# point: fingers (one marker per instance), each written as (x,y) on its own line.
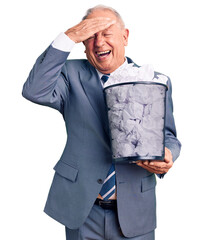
(149,168)
(155,166)
(98,24)
(88,27)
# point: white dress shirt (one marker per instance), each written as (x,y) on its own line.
(63,43)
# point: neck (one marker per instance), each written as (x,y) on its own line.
(102,73)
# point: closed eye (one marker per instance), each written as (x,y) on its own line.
(107,34)
(91,37)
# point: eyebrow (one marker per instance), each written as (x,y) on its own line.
(108,30)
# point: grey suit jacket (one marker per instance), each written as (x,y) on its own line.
(74,89)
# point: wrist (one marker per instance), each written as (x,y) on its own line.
(71,35)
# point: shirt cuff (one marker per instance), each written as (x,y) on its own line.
(63,43)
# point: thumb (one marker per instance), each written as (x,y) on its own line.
(168,155)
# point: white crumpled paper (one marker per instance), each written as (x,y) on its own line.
(131,73)
(136,112)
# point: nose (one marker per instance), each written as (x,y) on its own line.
(99,41)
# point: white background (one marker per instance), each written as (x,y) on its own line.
(166,34)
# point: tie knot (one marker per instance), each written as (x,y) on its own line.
(104,78)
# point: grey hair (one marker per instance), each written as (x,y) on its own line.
(103,7)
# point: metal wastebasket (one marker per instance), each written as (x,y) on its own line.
(136,114)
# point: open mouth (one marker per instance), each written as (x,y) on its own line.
(103,54)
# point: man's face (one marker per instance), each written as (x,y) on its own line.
(105,50)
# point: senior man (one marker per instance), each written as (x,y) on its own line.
(80,197)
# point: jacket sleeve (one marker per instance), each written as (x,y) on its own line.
(171,141)
(47,83)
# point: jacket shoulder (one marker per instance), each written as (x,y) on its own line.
(72,66)
(76,62)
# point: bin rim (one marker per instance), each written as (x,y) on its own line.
(136,82)
(137,158)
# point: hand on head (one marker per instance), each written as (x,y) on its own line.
(104,37)
(88,28)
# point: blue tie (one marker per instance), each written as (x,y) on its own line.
(104,78)
(109,185)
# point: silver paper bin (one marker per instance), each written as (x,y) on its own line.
(136,114)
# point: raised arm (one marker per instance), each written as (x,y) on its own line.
(48,82)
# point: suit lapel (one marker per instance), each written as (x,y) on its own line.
(94,91)
(131,61)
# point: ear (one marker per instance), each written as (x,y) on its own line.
(125,36)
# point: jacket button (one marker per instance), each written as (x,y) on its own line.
(100,181)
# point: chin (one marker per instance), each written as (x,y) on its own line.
(105,69)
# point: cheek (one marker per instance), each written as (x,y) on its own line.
(118,50)
(117,45)
(89,48)
(89,54)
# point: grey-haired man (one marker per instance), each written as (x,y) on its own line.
(75,89)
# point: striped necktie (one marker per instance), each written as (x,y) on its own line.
(109,185)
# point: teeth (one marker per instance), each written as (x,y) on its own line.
(100,53)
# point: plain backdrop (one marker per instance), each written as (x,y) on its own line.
(164,33)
